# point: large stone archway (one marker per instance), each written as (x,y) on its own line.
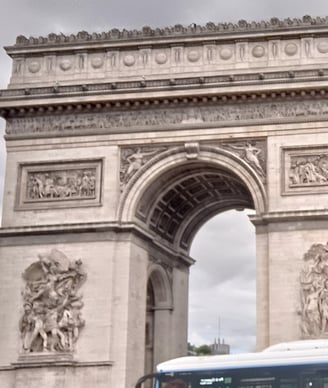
(119,147)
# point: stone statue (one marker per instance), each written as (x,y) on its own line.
(51,320)
(314,292)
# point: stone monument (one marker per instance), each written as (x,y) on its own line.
(120,145)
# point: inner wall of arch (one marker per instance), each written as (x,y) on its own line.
(176,205)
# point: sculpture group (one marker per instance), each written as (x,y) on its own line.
(51,320)
(309,170)
(61,184)
(314,292)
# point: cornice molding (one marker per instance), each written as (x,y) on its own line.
(19,234)
(184,112)
(173,84)
(289,216)
(177,32)
(95,98)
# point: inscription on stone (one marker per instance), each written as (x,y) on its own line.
(71,183)
(51,320)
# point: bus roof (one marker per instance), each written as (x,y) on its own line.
(289,353)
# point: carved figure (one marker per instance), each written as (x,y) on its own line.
(308,170)
(136,160)
(61,184)
(255,112)
(314,292)
(51,320)
(26,326)
(252,156)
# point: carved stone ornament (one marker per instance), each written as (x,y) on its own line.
(306,170)
(133,158)
(62,184)
(314,292)
(177,30)
(252,152)
(52,302)
(218,114)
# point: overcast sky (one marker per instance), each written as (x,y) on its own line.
(223,280)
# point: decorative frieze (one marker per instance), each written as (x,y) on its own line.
(314,292)
(163,117)
(305,170)
(52,302)
(62,184)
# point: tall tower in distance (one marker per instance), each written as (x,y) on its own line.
(220,347)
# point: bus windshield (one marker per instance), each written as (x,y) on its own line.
(301,376)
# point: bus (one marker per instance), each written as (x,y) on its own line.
(298,364)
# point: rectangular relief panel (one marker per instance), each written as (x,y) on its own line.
(57,185)
(305,170)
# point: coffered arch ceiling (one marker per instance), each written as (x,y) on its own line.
(178,203)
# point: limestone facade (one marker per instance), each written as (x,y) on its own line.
(119,147)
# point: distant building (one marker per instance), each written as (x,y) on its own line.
(219,347)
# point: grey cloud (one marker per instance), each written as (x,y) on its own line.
(225,249)
(222,282)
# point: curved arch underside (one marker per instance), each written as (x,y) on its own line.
(176,205)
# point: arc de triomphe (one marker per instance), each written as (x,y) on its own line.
(120,146)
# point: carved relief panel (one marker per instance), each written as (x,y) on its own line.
(220,114)
(314,292)
(52,302)
(61,184)
(253,152)
(305,170)
(133,158)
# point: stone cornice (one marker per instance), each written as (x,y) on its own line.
(144,94)
(176,33)
(19,234)
(206,109)
(147,58)
(289,216)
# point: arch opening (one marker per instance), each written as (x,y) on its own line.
(158,314)
(223,308)
(171,199)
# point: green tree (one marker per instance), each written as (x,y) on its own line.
(203,350)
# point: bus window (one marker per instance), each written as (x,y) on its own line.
(257,382)
(288,383)
(176,383)
(315,382)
